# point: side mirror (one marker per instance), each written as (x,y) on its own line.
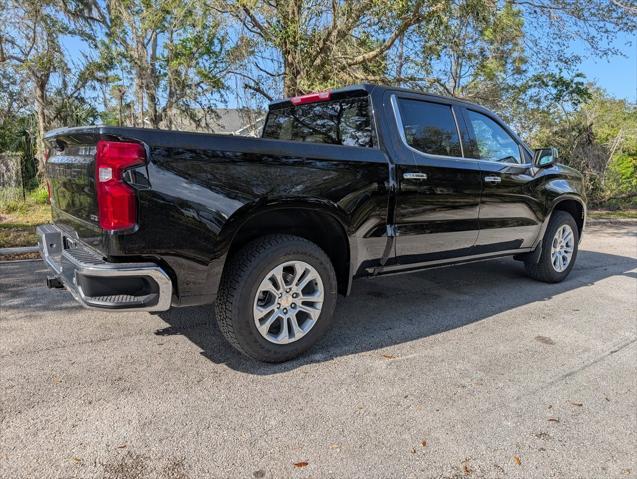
(545,157)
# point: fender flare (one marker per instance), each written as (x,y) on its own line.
(534,256)
(251,210)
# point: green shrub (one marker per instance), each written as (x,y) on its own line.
(40,195)
(12,206)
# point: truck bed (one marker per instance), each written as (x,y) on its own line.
(193,188)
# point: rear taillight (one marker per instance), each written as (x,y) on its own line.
(115,199)
(311,98)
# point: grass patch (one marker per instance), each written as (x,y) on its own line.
(612,215)
(18,219)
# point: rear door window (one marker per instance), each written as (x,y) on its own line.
(430,127)
(337,122)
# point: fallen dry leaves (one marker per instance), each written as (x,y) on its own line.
(517,460)
(465,467)
(301,464)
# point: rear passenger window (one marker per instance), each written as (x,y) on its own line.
(430,127)
(338,122)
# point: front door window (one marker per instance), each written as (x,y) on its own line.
(494,143)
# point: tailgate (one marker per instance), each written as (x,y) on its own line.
(71,175)
(88,204)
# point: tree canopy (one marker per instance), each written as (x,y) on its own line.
(159,63)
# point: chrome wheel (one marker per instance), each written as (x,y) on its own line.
(562,248)
(288,302)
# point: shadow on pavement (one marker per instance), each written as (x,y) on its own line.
(391,310)
(16,289)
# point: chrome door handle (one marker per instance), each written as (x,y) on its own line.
(415,176)
(492,179)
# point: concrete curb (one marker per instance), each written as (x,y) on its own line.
(610,221)
(20,250)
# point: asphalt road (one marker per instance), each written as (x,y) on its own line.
(472,371)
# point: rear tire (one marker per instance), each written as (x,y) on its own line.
(559,250)
(250,304)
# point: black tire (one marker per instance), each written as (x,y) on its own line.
(543,270)
(241,279)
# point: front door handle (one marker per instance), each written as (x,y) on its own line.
(492,179)
(415,176)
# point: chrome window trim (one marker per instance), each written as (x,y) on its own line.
(455,119)
(374,123)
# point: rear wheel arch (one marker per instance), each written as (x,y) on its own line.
(261,296)
(318,225)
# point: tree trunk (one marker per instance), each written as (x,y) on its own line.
(401,58)
(40,108)
(153,115)
(167,113)
(291,49)
(153,82)
(120,110)
(139,91)
(291,78)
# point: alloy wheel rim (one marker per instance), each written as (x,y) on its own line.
(562,248)
(288,302)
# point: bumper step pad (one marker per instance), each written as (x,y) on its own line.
(76,266)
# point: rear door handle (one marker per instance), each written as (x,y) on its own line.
(415,176)
(492,179)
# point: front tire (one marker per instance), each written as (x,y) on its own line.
(276,297)
(559,250)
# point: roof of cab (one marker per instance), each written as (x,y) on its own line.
(357,89)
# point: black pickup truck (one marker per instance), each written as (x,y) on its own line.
(360,181)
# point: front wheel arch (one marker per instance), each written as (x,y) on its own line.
(576,208)
(571,204)
(542,268)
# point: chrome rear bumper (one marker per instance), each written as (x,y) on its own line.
(99,284)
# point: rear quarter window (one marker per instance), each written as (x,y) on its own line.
(337,122)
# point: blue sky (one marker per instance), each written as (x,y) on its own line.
(617,75)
